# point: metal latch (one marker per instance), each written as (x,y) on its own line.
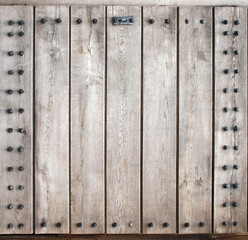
(123,20)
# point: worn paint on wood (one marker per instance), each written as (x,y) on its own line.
(87,119)
(52,119)
(230,119)
(16,120)
(195,119)
(123,121)
(159,119)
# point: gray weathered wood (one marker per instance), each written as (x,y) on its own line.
(159,119)
(195,119)
(230,138)
(16,120)
(87,119)
(52,119)
(123,121)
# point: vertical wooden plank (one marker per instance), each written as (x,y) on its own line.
(123,121)
(52,120)
(195,119)
(226,95)
(16,168)
(159,119)
(87,119)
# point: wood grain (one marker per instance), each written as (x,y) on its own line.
(16,120)
(87,119)
(123,121)
(230,138)
(159,119)
(52,119)
(195,119)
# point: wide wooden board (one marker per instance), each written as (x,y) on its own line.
(123,121)
(159,119)
(230,99)
(87,119)
(10,162)
(52,120)
(195,119)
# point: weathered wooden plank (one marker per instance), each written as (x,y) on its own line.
(87,119)
(52,120)
(123,121)
(16,166)
(159,119)
(195,119)
(226,96)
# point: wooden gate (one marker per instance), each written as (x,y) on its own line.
(123,120)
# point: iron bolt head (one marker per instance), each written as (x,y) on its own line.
(21,187)
(236,22)
(21,225)
(10,91)
(10,149)
(20,206)
(167,21)
(10,130)
(21,53)
(202,21)
(21,34)
(21,22)
(130,224)
(10,169)
(186,224)
(94,225)
(235,204)
(150,224)
(79,20)
(10,187)
(20,91)
(225,167)
(21,72)
(10,72)
(10,206)
(235,185)
(225,147)
(10,34)
(20,149)
(225,90)
(43,20)
(201,224)
(21,130)
(224,223)
(226,52)
(236,109)
(225,129)
(235,224)
(114,225)
(10,225)
(236,166)
(236,90)
(236,71)
(11,53)
(225,185)
(237,33)
(236,52)
(225,22)
(226,33)
(58,20)
(11,22)
(21,110)
(236,128)
(21,168)
(187,21)
(225,109)
(43,224)
(95,20)
(226,71)
(236,147)
(166,224)
(151,21)
(225,204)
(59,224)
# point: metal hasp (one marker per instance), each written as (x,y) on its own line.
(123,20)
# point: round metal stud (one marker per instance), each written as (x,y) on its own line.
(187,21)
(58,224)
(235,204)
(10,72)
(11,22)
(11,53)
(186,224)
(225,90)
(236,109)
(94,225)
(225,204)
(20,149)
(236,166)
(21,187)
(225,22)
(202,21)
(20,72)
(202,224)
(21,168)
(224,223)
(226,71)
(225,167)
(225,147)
(43,20)
(167,21)
(10,206)
(235,185)
(236,128)
(58,20)
(226,33)
(21,225)
(10,187)
(236,22)
(10,169)
(114,225)
(79,21)
(235,224)
(226,52)
(236,90)
(236,52)
(21,34)
(20,91)
(150,225)
(166,224)
(236,71)
(21,22)
(20,206)
(10,91)
(225,185)
(225,109)
(236,33)
(10,225)
(10,34)
(10,130)
(225,129)
(130,224)
(43,225)
(151,21)
(21,110)
(21,130)
(21,53)
(79,225)
(10,149)
(236,147)
(95,20)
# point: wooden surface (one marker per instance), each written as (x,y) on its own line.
(16,120)
(123,121)
(87,119)
(195,119)
(230,138)
(159,119)
(52,120)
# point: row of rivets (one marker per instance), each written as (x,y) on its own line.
(10,149)
(167,21)
(225,223)
(202,21)
(234,185)
(79,20)
(20,225)
(10,169)
(236,147)
(236,52)
(236,22)
(11,53)
(43,224)
(20,206)
(10,91)
(11,187)
(10,110)
(187,224)
(235,166)
(20,72)
(58,20)
(21,22)
(21,34)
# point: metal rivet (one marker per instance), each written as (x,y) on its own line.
(236,166)
(10,225)
(130,224)
(236,109)
(10,111)
(202,21)
(225,109)
(21,225)
(236,52)
(21,72)
(225,22)
(150,224)
(10,72)
(237,33)
(10,187)
(58,20)
(79,225)
(236,128)
(20,91)
(236,22)
(58,224)
(10,169)
(187,21)
(21,34)
(225,204)
(10,206)
(236,71)
(21,187)
(225,147)
(43,20)
(94,20)
(94,225)
(21,53)
(167,21)
(226,52)
(225,185)
(235,185)
(10,149)
(11,53)
(11,22)
(235,224)
(79,20)
(225,90)
(224,223)
(225,167)
(226,71)
(201,224)
(235,204)
(20,149)
(114,225)
(236,90)
(10,130)
(186,224)
(20,206)
(21,110)
(21,168)
(166,224)
(10,34)
(10,91)
(21,130)
(225,129)
(21,22)
(43,224)
(151,21)
(226,33)
(236,147)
